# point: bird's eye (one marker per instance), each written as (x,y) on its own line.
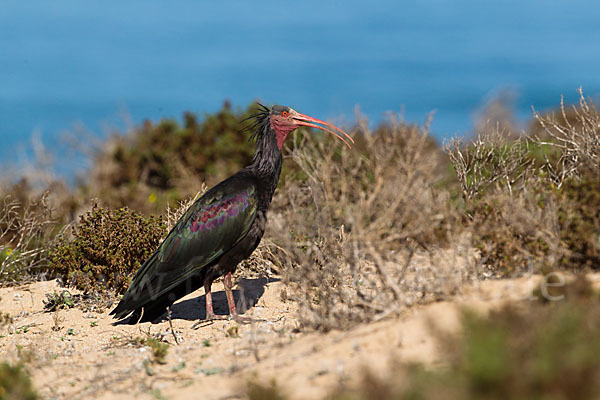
(284,113)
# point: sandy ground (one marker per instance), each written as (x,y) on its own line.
(84,355)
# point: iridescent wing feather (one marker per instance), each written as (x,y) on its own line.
(214,224)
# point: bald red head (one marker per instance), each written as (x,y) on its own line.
(285,120)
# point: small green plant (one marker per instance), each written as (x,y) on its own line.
(233,332)
(147,364)
(209,371)
(106,248)
(15,383)
(157,394)
(178,367)
(159,349)
(23,329)
(56,301)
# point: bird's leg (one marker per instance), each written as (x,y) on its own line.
(210,314)
(230,301)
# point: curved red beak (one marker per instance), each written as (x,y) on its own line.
(305,120)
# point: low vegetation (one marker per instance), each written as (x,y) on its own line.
(160,164)
(357,235)
(105,249)
(530,350)
(159,348)
(25,237)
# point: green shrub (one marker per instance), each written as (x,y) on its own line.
(579,219)
(162,163)
(15,383)
(106,248)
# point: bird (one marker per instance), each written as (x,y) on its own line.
(220,229)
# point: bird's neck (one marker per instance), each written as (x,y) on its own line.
(266,164)
(267,155)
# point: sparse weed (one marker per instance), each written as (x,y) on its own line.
(24,230)
(5,319)
(159,348)
(56,301)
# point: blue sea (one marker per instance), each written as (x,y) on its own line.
(102,65)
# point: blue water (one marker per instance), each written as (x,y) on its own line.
(69,62)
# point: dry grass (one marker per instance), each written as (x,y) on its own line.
(23,241)
(575,133)
(491,160)
(353,224)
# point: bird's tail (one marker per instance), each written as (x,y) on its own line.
(140,291)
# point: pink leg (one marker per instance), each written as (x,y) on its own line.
(210,314)
(230,300)
(229,293)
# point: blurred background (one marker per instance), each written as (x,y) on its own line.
(106,65)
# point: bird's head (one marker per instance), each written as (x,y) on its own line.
(284,120)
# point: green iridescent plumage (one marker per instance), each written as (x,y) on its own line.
(193,243)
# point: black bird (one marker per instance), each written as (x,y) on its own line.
(222,228)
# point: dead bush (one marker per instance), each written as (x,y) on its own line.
(575,133)
(352,220)
(491,160)
(516,232)
(533,201)
(24,238)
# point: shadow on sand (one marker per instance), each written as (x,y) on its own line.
(248,294)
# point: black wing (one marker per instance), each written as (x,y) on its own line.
(210,227)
